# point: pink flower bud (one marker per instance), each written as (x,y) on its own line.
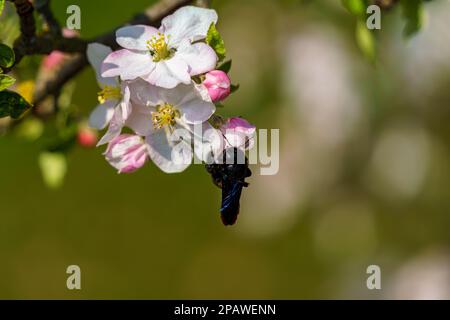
(239,133)
(56,58)
(127,153)
(53,60)
(69,33)
(87,137)
(218,84)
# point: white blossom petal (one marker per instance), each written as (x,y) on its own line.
(145,94)
(196,110)
(209,144)
(125,105)
(168,152)
(102,115)
(114,129)
(121,114)
(200,57)
(135,37)
(96,54)
(169,73)
(140,120)
(127,64)
(188,22)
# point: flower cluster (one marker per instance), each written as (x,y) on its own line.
(162,86)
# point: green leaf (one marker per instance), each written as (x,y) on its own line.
(6,56)
(12,104)
(6,81)
(53,167)
(366,40)
(355,7)
(414,14)
(2,5)
(226,66)
(214,39)
(234,88)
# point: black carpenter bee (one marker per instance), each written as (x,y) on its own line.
(230,177)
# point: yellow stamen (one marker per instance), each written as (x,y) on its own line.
(109,93)
(159,48)
(165,115)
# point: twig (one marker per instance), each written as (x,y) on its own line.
(27,38)
(43,7)
(203,3)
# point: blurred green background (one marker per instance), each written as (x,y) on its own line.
(364,174)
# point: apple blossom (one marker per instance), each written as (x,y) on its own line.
(127,153)
(159,114)
(218,84)
(168,56)
(114,98)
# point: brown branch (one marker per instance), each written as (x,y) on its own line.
(27,38)
(43,7)
(203,3)
(152,16)
(27,24)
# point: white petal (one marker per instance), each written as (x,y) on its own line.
(140,120)
(135,37)
(169,73)
(177,95)
(102,115)
(127,64)
(145,94)
(169,156)
(179,69)
(96,54)
(203,92)
(208,145)
(188,22)
(125,105)
(200,57)
(114,129)
(196,110)
(121,114)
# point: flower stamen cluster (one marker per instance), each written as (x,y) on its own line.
(109,93)
(159,48)
(165,115)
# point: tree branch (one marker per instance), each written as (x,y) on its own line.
(44,9)
(27,38)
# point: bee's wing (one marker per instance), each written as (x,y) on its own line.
(231,195)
